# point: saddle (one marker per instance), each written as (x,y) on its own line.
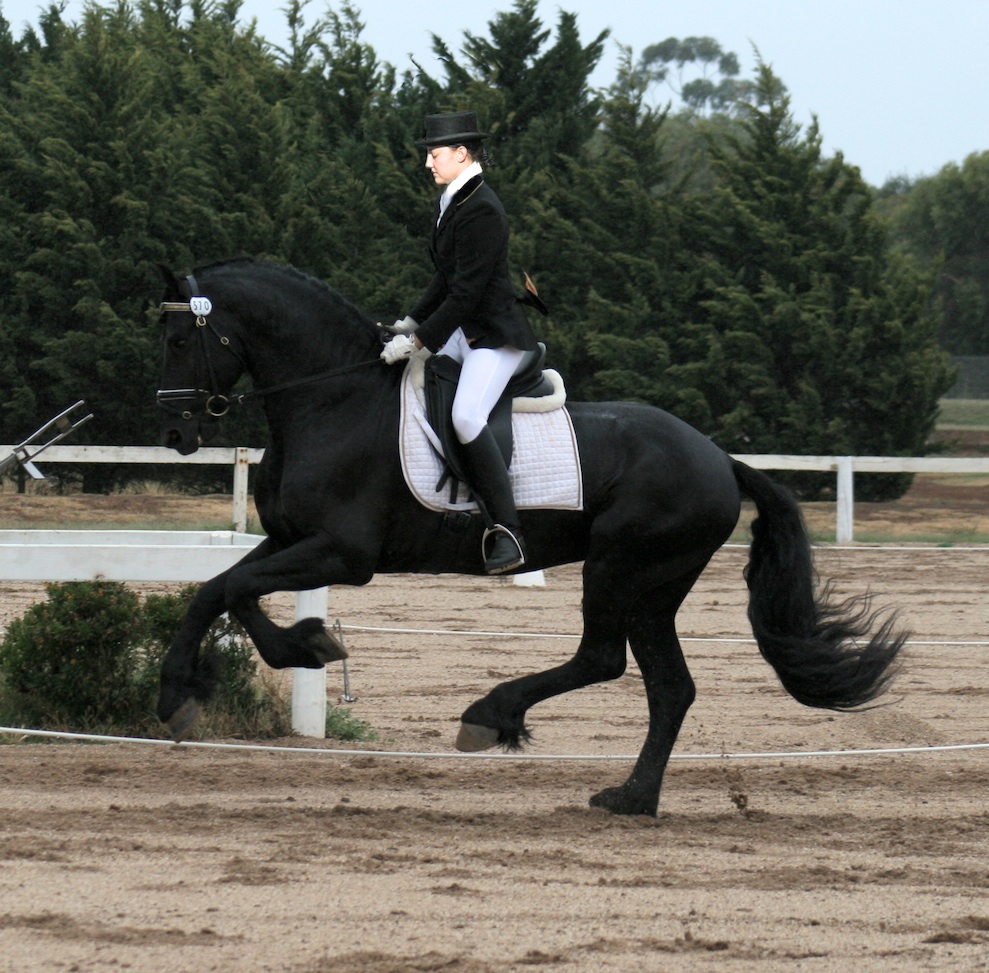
(440,386)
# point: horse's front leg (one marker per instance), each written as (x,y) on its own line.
(312,563)
(187,681)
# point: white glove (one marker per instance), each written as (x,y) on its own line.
(400,347)
(404,325)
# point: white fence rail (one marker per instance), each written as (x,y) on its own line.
(241,457)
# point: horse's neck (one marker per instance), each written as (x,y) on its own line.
(282,356)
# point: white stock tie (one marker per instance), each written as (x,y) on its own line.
(444,202)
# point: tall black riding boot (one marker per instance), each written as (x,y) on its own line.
(502,547)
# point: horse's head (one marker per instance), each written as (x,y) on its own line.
(200,364)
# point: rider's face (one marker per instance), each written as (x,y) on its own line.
(446,162)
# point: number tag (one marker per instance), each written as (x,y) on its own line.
(200,306)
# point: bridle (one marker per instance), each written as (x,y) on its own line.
(186,403)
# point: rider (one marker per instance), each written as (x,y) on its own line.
(470,311)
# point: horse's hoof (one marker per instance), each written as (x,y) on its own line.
(473,737)
(617,800)
(327,648)
(183,719)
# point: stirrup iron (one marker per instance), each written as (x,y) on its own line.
(495,531)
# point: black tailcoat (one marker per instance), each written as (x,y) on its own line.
(471,288)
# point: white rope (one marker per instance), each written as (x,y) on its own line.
(558,635)
(326,751)
(833,547)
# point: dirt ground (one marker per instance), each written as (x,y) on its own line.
(163,858)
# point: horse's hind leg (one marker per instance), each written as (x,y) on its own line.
(499,718)
(670,692)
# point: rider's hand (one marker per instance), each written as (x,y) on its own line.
(400,347)
(404,325)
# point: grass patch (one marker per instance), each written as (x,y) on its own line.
(341,724)
(963,414)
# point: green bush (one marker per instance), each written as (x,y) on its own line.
(341,724)
(88,659)
(69,661)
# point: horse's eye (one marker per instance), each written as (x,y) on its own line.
(178,342)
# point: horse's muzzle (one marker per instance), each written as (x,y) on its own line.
(182,442)
(185,436)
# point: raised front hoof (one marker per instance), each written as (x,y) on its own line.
(327,648)
(182,720)
(619,800)
(473,738)
(310,646)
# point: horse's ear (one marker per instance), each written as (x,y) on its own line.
(172,291)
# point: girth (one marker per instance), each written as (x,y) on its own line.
(440,386)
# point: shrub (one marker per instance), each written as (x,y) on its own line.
(88,659)
(341,724)
(244,704)
(69,661)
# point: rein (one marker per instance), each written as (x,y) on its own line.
(305,380)
(213,402)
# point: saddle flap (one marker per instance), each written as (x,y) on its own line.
(441,376)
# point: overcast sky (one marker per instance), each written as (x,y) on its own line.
(898,86)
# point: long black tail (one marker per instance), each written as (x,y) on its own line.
(823,652)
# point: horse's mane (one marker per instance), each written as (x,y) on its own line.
(320,289)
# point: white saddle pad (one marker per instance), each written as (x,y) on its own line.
(545,468)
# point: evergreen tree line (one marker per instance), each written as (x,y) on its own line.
(941,222)
(717,265)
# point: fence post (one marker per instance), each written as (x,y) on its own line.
(309,685)
(241,466)
(845,526)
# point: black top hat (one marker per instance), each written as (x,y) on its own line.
(451,128)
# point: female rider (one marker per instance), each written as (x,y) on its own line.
(471,312)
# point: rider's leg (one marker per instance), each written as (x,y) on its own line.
(483,377)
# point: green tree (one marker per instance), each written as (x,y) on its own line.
(78,129)
(718,88)
(709,261)
(134,140)
(824,344)
(536,98)
(13,56)
(352,173)
(941,225)
(603,238)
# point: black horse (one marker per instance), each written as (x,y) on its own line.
(659,499)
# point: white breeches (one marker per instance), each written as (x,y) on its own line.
(483,376)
